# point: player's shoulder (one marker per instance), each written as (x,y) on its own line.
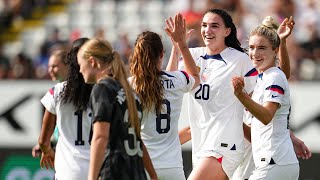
(57,89)
(61,85)
(234,54)
(108,84)
(275,73)
(174,75)
(106,88)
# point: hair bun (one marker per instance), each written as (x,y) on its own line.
(269,22)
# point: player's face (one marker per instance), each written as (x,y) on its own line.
(56,69)
(261,53)
(213,30)
(85,68)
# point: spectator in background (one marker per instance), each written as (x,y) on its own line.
(54,39)
(21,68)
(308,40)
(99,34)
(233,7)
(193,21)
(282,9)
(10,11)
(4,65)
(122,45)
(53,43)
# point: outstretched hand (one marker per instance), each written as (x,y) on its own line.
(285,28)
(47,159)
(170,25)
(176,29)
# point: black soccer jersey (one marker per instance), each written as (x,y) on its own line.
(124,151)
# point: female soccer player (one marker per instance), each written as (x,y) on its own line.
(272,148)
(117,151)
(247,166)
(58,71)
(57,66)
(215,114)
(161,94)
(67,107)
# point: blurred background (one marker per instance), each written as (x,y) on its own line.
(30,30)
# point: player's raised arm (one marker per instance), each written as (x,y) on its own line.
(173,63)
(284,32)
(178,35)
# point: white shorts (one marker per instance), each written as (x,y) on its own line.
(69,167)
(170,174)
(246,167)
(230,160)
(275,172)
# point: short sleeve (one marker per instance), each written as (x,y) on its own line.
(49,100)
(274,90)
(101,104)
(189,80)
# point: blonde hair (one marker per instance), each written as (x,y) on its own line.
(268,29)
(103,51)
(144,67)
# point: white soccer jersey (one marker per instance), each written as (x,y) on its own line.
(215,114)
(73,149)
(271,143)
(159,132)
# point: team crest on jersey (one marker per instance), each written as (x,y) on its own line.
(205,74)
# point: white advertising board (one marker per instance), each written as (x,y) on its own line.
(20,103)
(21,112)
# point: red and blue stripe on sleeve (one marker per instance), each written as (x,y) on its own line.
(276,88)
(187,76)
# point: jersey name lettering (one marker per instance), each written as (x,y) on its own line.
(167,84)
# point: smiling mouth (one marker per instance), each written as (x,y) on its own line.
(206,37)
